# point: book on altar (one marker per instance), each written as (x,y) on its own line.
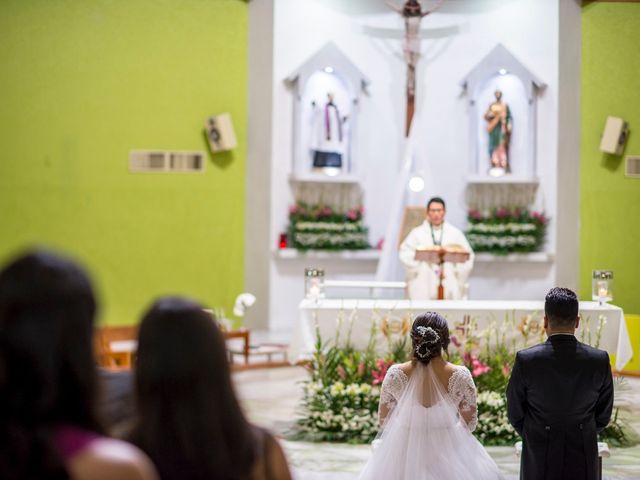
(447,253)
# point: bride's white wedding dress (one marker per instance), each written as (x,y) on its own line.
(424,437)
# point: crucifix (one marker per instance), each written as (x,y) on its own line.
(412,13)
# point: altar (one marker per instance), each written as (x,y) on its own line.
(520,322)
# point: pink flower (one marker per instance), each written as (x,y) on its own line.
(467,358)
(475,365)
(324,212)
(502,213)
(341,373)
(379,374)
(506,371)
(455,341)
(479,368)
(361,369)
(475,214)
(380,244)
(539,217)
(353,215)
(293,209)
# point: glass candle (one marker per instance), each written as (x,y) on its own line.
(602,286)
(314,283)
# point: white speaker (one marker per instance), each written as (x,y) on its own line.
(220,133)
(614,136)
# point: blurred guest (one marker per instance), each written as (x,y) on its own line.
(48,423)
(189,420)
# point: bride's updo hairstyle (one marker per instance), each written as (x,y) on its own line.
(429,337)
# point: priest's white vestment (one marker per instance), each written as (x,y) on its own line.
(423,277)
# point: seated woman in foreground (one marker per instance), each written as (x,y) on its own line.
(189,420)
(48,423)
(427,412)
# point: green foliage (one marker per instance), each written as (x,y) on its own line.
(619,433)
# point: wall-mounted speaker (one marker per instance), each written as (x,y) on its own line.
(614,136)
(220,133)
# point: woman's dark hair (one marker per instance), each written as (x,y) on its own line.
(429,337)
(190,422)
(47,370)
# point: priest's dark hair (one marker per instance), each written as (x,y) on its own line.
(561,307)
(47,369)
(436,200)
(189,420)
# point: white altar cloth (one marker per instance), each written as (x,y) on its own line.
(608,319)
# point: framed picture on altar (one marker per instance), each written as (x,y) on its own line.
(412,217)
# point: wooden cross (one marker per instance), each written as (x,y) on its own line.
(465,327)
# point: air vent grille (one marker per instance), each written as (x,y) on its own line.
(166,161)
(632,166)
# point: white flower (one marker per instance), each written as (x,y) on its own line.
(337,389)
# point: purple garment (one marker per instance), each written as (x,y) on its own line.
(70,440)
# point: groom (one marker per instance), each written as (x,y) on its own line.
(559,397)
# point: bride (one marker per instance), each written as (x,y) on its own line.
(427,412)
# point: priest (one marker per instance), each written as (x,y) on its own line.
(423,278)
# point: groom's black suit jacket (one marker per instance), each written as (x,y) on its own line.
(559,396)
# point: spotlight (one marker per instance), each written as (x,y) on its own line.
(416,184)
(328,69)
(502,71)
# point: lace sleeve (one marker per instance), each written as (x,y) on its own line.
(392,386)
(463,391)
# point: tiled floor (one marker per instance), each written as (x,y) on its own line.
(271,398)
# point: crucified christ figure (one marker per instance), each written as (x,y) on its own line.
(412,13)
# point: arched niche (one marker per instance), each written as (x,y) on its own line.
(328,71)
(501,70)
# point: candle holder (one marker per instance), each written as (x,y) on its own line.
(602,286)
(314,283)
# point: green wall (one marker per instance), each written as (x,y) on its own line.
(610,202)
(85,81)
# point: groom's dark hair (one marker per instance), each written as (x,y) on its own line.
(561,307)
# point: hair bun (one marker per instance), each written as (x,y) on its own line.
(427,343)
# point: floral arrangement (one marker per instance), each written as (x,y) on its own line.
(340,398)
(319,227)
(505,230)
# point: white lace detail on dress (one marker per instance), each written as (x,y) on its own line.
(463,391)
(392,386)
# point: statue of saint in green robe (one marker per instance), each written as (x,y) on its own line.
(499,127)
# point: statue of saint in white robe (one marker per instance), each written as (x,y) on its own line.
(423,277)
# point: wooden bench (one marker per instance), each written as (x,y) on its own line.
(115,347)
